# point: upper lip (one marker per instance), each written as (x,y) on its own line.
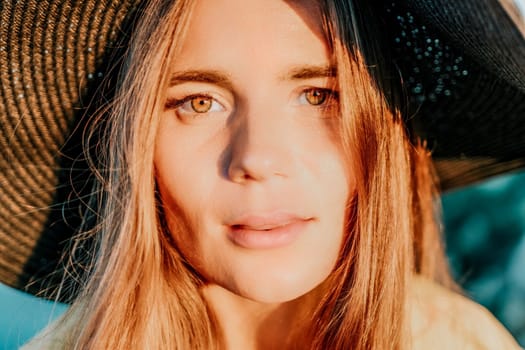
(261,222)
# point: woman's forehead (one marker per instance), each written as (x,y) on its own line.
(269,15)
(243,34)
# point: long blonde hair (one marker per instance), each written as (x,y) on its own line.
(141,295)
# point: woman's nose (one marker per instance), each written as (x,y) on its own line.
(261,148)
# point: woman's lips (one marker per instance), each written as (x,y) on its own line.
(267,231)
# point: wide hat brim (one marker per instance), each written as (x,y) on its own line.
(466,97)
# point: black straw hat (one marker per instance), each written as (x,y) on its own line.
(462,64)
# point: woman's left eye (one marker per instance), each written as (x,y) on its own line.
(316,96)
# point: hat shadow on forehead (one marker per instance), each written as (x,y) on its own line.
(309,11)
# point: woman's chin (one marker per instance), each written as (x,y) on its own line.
(275,290)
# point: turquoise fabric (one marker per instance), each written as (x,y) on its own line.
(22,316)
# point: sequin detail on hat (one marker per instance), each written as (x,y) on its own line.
(434,68)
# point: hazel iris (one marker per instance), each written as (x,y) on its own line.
(201,104)
(316,97)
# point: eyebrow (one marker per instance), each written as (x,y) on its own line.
(202,76)
(224,80)
(310,72)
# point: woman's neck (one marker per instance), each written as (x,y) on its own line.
(247,324)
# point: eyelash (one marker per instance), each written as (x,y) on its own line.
(172,103)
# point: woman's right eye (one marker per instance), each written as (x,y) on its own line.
(195,104)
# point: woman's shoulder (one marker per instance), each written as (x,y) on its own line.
(53,337)
(443,319)
(48,339)
(43,342)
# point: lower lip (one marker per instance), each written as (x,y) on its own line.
(267,239)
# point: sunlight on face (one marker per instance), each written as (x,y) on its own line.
(247,153)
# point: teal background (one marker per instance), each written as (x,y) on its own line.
(485,237)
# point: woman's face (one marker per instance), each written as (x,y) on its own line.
(252,178)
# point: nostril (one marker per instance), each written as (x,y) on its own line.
(245,169)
